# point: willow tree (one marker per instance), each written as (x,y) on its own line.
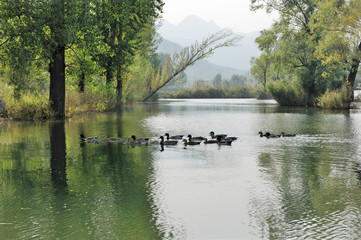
(188,56)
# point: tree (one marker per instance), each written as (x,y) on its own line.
(179,62)
(120,22)
(293,44)
(217,81)
(237,80)
(315,42)
(260,68)
(41,30)
(340,43)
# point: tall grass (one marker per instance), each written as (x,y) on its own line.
(36,105)
(90,101)
(338,99)
(210,92)
(29,106)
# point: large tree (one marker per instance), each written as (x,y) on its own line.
(36,30)
(340,42)
(309,36)
(120,22)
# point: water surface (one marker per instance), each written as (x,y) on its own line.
(308,187)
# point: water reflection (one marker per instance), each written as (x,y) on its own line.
(58,154)
(52,185)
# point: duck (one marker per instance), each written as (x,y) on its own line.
(261,134)
(218,135)
(206,141)
(162,142)
(190,142)
(269,135)
(111,139)
(222,141)
(288,134)
(141,140)
(133,141)
(88,139)
(230,138)
(195,138)
(173,137)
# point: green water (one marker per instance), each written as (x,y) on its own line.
(53,186)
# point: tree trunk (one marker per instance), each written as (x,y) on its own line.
(353,71)
(57,82)
(119,88)
(109,71)
(81,84)
(57,62)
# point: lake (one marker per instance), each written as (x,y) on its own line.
(54,186)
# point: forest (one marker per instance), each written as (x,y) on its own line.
(60,58)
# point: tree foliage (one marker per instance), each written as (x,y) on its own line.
(315,44)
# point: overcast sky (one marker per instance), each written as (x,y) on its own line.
(234,14)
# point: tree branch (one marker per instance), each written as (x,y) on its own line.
(190,55)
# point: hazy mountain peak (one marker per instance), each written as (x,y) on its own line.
(194,28)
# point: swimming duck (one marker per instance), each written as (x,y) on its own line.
(190,138)
(133,141)
(88,139)
(162,142)
(287,134)
(206,141)
(261,134)
(190,142)
(111,139)
(230,138)
(218,135)
(222,141)
(141,140)
(173,137)
(269,135)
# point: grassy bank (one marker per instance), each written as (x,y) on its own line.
(210,92)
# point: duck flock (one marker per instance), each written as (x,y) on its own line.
(220,139)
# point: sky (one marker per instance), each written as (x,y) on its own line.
(234,14)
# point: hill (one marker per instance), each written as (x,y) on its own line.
(203,69)
(193,29)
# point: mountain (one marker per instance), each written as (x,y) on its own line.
(193,29)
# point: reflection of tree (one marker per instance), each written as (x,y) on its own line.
(58,154)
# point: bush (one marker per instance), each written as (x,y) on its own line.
(90,101)
(287,93)
(29,106)
(338,99)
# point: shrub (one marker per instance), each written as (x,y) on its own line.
(90,101)
(29,106)
(338,99)
(287,93)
